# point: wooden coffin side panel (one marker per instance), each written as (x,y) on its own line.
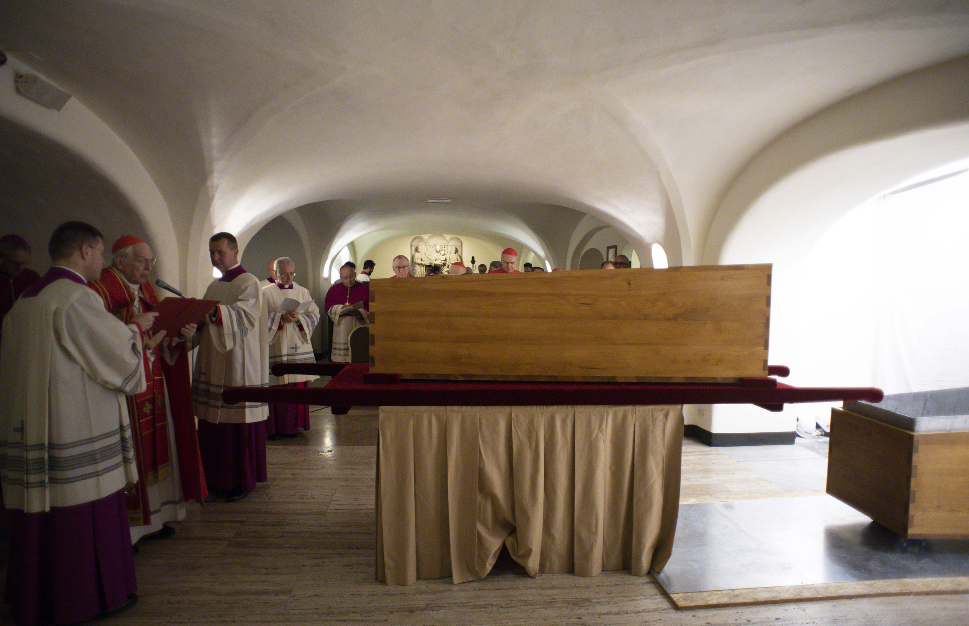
(870,468)
(940,486)
(705,323)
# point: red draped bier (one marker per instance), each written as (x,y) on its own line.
(147,409)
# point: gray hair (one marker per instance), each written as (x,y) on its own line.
(283,260)
(124,253)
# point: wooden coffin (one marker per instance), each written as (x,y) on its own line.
(707,323)
(914,483)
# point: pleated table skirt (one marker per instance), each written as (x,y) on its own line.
(580,489)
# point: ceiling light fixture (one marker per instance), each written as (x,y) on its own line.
(439,201)
(37,89)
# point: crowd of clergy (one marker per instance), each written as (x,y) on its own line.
(105,433)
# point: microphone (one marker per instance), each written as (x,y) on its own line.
(168,287)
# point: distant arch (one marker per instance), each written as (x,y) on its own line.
(591,259)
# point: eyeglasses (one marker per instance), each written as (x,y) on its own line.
(401,267)
(286,274)
(146,263)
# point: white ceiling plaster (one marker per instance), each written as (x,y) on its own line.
(640,113)
(786,222)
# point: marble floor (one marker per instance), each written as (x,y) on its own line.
(798,544)
(799,467)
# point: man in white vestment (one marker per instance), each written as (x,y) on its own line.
(364,275)
(347,303)
(233,352)
(66,449)
(290,333)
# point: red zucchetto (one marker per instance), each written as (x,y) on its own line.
(509,251)
(125,242)
(15,239)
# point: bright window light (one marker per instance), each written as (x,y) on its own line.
(660,261)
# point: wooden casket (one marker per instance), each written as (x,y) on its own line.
(685,324)
(904,462)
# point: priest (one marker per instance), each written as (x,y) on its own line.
(347,303)
(290,341)
(401,267)
(272,275)
(66,450)
(232,352)
(15,276)
(368,268)
(509,257)
(162,416)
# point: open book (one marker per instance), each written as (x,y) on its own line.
(174,313)
(289,304)
(351,309)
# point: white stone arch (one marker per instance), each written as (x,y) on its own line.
(84,134)
(434,220)
(577,246)
(586,231)
(791,193)
(845,154)
(296,221)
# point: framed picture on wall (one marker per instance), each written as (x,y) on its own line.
(611,252)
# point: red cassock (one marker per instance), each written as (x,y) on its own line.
(147,409)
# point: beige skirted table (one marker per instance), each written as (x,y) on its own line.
(580,489)
(588,485)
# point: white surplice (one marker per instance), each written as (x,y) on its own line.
(64,427)
(342,327)
(290,342)
(233,354)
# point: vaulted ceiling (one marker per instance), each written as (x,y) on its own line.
(647,115)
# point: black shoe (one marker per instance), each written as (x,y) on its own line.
(235,494)
(272,437)
(164,533)
(132,599)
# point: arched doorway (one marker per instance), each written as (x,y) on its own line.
(591,259)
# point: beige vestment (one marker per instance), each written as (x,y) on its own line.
(64,426)
(233,354)
(290,342)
